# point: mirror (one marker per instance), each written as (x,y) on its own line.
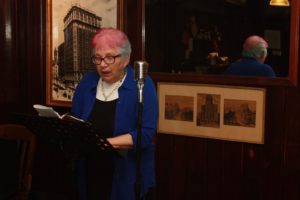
(182,34)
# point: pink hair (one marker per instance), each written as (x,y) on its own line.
(111,38)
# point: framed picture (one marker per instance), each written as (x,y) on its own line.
(212,111)
(70,26)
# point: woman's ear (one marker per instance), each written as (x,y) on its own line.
(126,60)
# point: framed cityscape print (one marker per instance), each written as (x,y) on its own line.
(212,111)
(70,25)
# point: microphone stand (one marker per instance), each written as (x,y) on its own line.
(138,182)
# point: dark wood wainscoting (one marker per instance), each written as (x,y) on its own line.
(200,168)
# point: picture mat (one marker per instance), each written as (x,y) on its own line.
(224,132)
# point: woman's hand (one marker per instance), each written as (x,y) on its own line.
(121,141)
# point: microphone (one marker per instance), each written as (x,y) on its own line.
(140,72)
(140,69)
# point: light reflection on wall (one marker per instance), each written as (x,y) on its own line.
(8,34)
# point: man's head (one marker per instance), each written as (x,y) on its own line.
(255,47)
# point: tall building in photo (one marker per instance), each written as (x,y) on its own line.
(80,24)
(209,111)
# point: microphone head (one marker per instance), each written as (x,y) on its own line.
(140,70)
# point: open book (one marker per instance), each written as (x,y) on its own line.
(46,111)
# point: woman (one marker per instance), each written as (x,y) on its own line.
(108,98)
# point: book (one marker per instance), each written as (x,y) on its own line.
(46,111)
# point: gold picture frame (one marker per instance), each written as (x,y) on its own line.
(212,111)
(69,27)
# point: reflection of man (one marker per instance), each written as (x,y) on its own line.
(253,57)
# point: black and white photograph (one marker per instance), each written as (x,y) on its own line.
(208,110)
(70,26)
(179,108)
(239,113)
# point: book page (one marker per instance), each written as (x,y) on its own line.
(45,111)
(69,117)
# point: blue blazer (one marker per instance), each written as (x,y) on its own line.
(125,122)
(249,67)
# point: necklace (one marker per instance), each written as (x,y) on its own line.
(117,85)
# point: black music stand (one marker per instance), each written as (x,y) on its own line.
(75,139)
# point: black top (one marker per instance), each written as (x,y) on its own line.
(102,117)
(99,164)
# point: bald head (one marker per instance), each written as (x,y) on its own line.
(255,47)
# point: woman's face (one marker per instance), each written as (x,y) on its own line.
(113,72)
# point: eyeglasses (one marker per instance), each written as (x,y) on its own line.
(97,60)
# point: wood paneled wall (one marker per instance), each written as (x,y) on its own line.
(22,78)
(187,167)
(199,168)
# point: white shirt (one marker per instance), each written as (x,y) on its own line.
(110,90)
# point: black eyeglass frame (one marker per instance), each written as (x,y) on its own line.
(97,60)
